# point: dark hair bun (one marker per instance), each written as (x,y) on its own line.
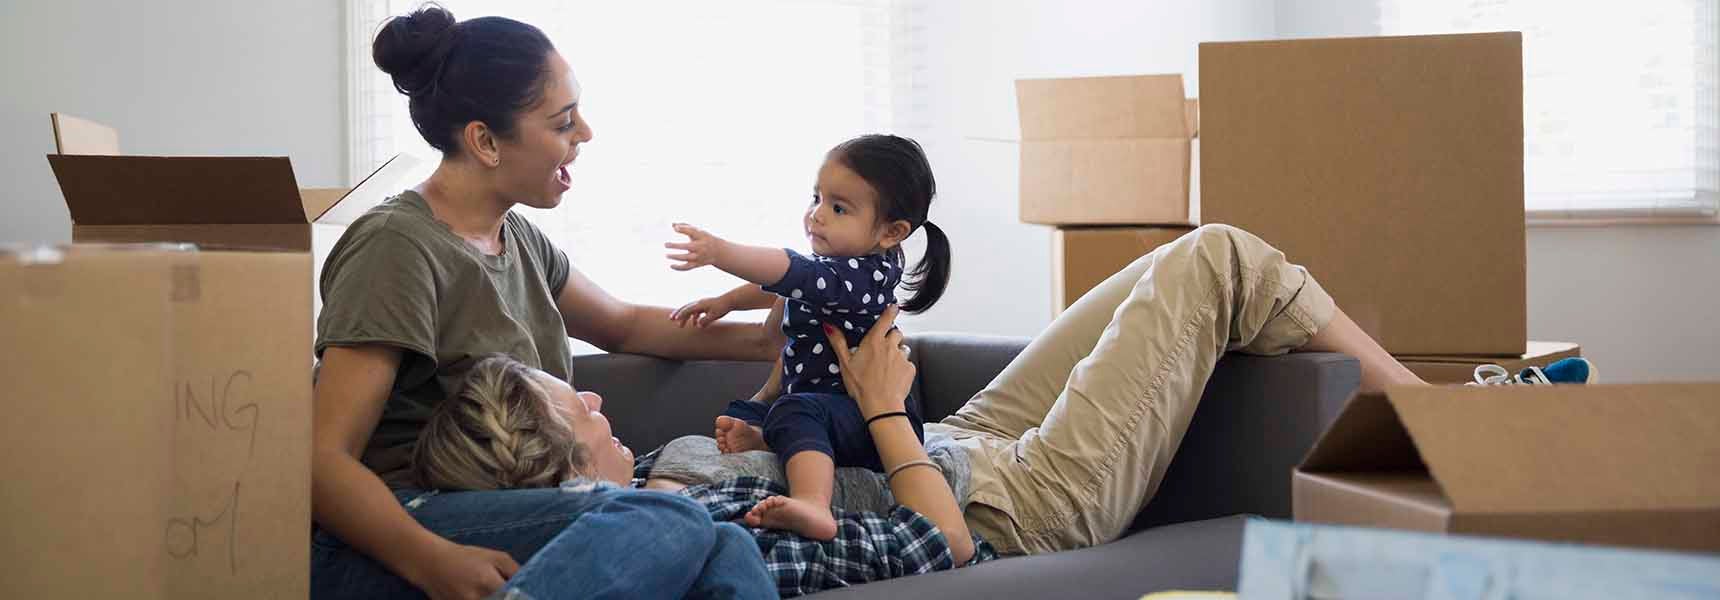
(411,48)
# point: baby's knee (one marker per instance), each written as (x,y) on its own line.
(792,408)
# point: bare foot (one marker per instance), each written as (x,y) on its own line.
(734,435)
(793,514)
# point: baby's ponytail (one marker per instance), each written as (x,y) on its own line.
(928,279)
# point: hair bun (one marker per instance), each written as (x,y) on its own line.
(411,48)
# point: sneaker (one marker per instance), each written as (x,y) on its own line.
(1575,370)
(1570,370)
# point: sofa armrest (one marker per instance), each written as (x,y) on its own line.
(1257,419)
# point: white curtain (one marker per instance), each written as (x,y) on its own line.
(1618,100)
(712,113)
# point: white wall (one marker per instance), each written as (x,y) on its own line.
(1640,299)
(1001,277)
(207,77)
(212,77)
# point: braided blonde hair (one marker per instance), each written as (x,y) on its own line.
(501,431)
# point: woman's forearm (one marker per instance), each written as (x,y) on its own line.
(352,503)
(922,489)
(649,331)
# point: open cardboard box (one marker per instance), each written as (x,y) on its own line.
(1628,465)
(158,422)
(213,201)
(1105,150)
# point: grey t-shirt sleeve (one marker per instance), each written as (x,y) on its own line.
(378,287)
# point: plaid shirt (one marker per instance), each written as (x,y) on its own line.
(868,546)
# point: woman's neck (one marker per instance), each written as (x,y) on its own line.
(459,199)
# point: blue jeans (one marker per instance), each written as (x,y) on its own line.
(571,543)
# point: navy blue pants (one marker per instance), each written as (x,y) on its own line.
(820,422)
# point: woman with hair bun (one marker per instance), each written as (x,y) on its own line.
(422,286)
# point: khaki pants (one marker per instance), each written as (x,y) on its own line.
(1074,436)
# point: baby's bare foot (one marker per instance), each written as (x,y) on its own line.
(793,514)
(734,435)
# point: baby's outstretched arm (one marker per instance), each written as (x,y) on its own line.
(758,264)
(705,311)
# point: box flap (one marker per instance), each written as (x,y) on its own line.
(1535,351)
(1191,116)
(339,207)
(1568,448)
(1102,107)
(148,190)
(1366,437)
(73,135)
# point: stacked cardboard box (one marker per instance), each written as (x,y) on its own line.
(1391,167)
(158,437)
(1106,160)
(158,428)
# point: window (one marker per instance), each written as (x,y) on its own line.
(1619,100)
(712,113)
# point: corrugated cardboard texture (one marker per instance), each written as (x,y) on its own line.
(1631,465)
(1461,369)
(1084,256)
(1104,150)
(1391,167)
(158,428)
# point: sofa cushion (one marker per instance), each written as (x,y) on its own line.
(1200,555)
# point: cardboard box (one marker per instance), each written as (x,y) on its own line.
(1391,167)
(1081,257)
(1105,150)
(214,201)
(158,422)
(1628,465)
(1461,369)
(235,202)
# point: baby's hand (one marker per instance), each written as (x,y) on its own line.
(702,312)
(700,249)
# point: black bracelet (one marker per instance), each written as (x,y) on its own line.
(887,415)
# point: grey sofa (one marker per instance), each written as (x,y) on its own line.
(1259,415)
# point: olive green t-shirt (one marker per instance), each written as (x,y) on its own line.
(399,277)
